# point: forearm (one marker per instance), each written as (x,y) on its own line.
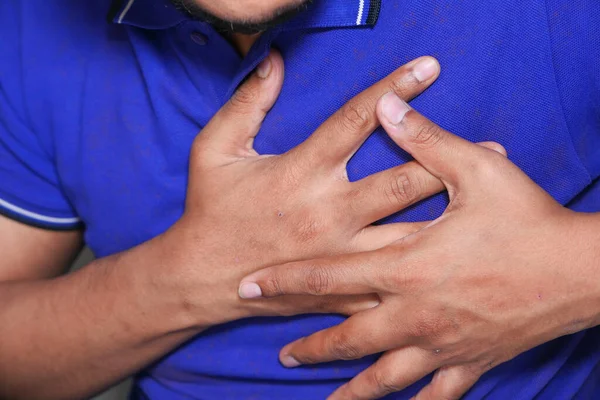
(73,336)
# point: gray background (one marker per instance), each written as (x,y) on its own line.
(119,392)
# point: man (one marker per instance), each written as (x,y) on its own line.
(97,124)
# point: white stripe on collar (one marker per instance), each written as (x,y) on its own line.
(361,8)
(126,9)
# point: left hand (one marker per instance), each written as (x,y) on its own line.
(504,269)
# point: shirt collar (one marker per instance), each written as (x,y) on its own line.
(161,14)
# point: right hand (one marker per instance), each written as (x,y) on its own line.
(246,211)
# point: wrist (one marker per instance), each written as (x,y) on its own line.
(192,274)
(580,265)
(156,285)
(170,277)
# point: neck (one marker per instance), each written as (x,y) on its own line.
(243,43)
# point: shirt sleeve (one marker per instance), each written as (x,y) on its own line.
(30,189)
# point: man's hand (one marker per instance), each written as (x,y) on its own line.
(245,211)
(504,269)
(119,314)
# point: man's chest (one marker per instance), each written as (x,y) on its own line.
(124,144)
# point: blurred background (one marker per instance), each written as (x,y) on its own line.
(120,391)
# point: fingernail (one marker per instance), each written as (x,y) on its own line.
(394,108)
(425,69)
(289,361)
(249,290)
(264,68)
(372,304)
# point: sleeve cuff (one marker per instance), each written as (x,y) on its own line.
(38,220)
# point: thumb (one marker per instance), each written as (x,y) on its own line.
(232,130)
(446,156)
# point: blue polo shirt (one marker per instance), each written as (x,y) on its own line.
(97,118)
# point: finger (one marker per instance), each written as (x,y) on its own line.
(393,372)
(357,337)
(338,138)
(357,273)
(449,383)
(497,147)
(344,305)
(232,130)
(298,305)
(445,155)
(387,192)
(375,237)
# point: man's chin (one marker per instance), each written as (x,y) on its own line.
(236,19)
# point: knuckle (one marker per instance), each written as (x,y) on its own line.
(486,168)
(272,286)
(307,359)
(428,326)
(403,189)
(318,280)
(244,97)
(383,380)
(306,351)
(342,347)
(428,135)
(395,278)
(422,329)
(325,305)
(497,147)
(356,117)
(401,87)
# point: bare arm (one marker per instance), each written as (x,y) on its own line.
(78,334)
(65,337)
